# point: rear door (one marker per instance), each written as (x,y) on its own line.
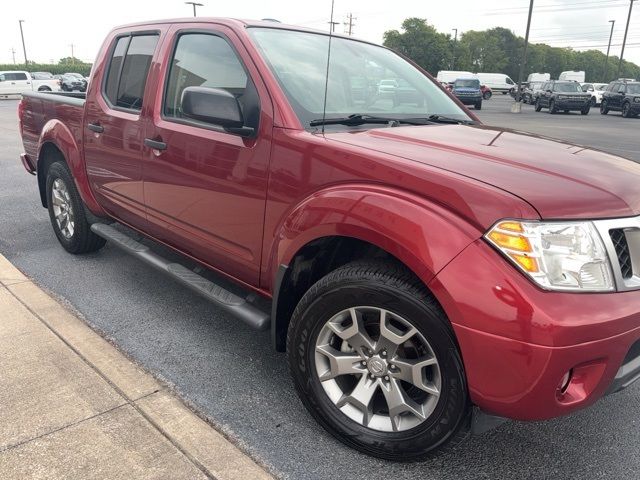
(206,190)
(114,126)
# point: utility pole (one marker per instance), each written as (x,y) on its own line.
(624,42)
(524,61)
(73,58)
(194,4)
(606,60)
(455,47)
(24,48)
(13,52)
(349,25)
(332,26)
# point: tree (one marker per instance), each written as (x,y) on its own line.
(422,43)
(71,61)
(484,52)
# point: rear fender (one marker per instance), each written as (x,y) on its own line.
(59,135)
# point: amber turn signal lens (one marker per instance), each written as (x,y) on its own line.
(528,263)
(511,226)
(512,242)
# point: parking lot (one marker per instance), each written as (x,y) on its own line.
(202,352)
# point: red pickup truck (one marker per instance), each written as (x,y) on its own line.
(427,275)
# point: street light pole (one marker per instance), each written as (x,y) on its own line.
(194,4)
(624,42)
(606,61)
(455,44)
(524,55)
(24,48)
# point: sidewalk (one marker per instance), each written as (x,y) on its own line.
(73,407)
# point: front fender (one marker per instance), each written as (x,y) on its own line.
(422,235)
(59,135)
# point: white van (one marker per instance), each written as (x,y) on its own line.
(498,82)
(575,75)
(450,76)
(539,77)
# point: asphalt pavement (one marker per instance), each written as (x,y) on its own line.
(231,374)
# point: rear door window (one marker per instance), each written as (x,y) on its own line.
(127,74)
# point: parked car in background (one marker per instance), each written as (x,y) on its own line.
(73,81)
(498,82)
(17,82)
(419,269)
(487,93)
(575,75)
(531,92)
(621,97)
(596,90)
(450,76)
(557,95)
(387,87)
(468,91)
(538,77)
(41,75)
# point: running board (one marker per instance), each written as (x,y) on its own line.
(218,295)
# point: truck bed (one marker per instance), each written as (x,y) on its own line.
(42,107)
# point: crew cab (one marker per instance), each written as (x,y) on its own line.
(559,95)
(18,82)
(621,96)
(427,275)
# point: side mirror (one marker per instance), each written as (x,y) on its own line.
(215,106)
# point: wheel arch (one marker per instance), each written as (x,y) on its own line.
(344,224)
(57,142)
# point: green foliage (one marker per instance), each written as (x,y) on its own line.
(497,50)
(56,69)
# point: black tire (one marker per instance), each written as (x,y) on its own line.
(388,286)
(478,106)
(626,110)
(82,239)
(594,102)
(552,107)
(538,106)
(585,110)
(486,95)
(44,89)
(603,108)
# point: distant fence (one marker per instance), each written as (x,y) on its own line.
(56,69)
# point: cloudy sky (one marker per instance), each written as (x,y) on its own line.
(50,28)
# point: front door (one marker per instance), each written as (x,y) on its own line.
(205,188)
(114,127)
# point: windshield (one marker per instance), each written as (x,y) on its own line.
(471,83)
(567,87)
(363,78)
(633,88)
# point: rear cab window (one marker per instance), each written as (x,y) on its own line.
(128,69)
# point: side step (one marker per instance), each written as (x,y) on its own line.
(225,299)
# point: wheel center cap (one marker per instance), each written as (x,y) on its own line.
(377,366)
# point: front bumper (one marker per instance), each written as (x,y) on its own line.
(572,104)
(519,342)
(469,99)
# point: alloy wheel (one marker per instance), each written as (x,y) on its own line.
(378,369)
(62,208)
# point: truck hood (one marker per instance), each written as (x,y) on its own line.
(560,180)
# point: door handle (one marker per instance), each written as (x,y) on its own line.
(95,127)
(155,144)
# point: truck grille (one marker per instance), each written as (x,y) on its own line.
(621,246)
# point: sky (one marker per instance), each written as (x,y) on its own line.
(50,28)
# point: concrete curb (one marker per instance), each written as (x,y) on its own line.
(202,445)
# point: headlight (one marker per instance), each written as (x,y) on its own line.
(556,255)
(637,99)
